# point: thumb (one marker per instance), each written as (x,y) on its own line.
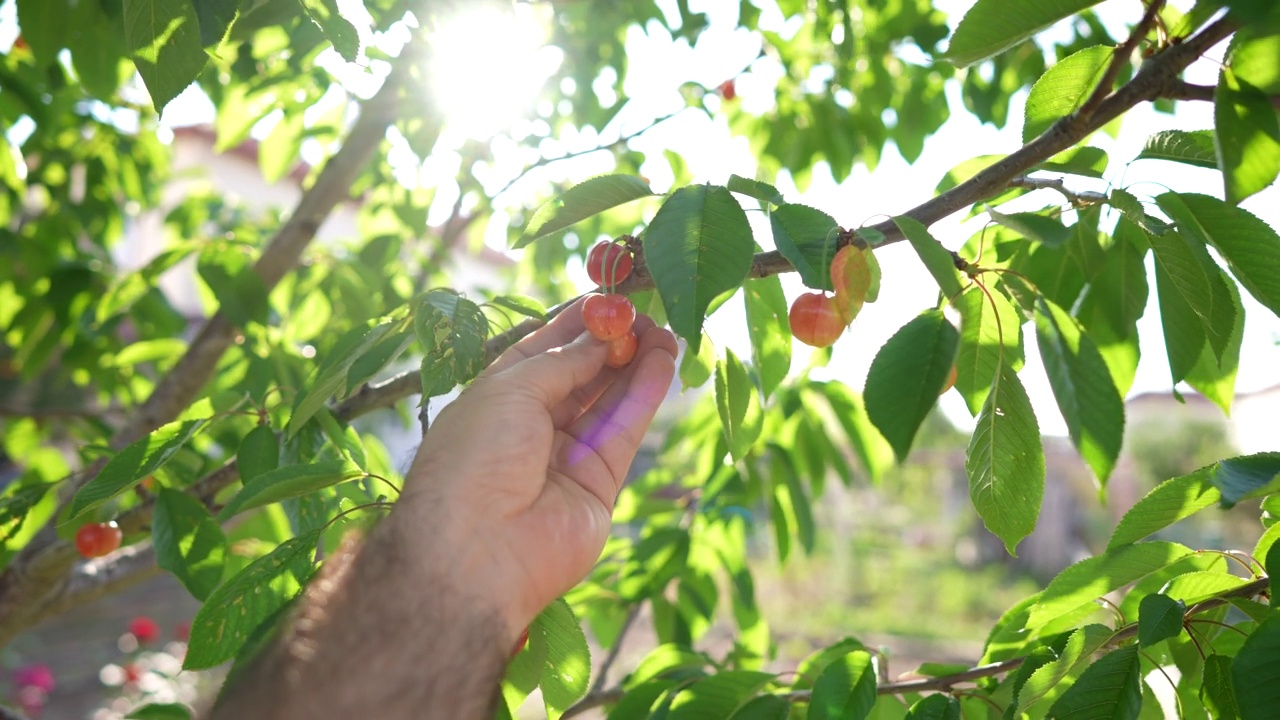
(552,375)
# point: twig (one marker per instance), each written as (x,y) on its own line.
(609,659)
(1186,91)
(1077,199)
(1122,55)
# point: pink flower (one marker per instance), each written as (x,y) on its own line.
(144,629)
(34,676)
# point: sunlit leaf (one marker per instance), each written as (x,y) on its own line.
(133,464)
(1247,137)
(584,200)
(993,26)
(188,542)
(906,377)
(1063,89)
(1005,461)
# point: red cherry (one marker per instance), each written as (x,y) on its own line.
(144,629)
(608,317)
(727,90)
(951,380)
(608,264)
(815,320)
(520,642)
(621,351)
(98,539)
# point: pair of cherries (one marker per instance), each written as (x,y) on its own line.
(819,319)
(609,317)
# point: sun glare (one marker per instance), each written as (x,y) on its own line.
(488,68)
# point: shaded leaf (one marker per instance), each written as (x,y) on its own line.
(287,482)
(163,36)
(696,366)
(1246,476)
(807,238)
(1005,461)
(259,453)
(738,402)
(584,200)
(1159,618)
(769,329)
(846,690)
(1195,148)
(990,335)
(935,707)
(452,331)
(336,28)
(761,191)
(240,292)
(1255,672)
(936,258)
(718,696)
(187,541)
(906,377)
(1217,692)
(1110,688)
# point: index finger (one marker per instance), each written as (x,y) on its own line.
(562,330)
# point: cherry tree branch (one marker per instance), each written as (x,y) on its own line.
(1075,198)
(1187,91)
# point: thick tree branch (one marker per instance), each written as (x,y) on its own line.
(1120,57)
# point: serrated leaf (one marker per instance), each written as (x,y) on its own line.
(807,238)
(187,541)
(990,334)
(163,36)
(1033,226)
(1005,461)
(132,464)
(1085,161)
(936,258)
(1063,88)
(765,707)
(1159,618)
(846,689)
(584,200)
(907,375)
(568,665)
(237,607)
(1246,476)
(1081,382)
(1246,135)
(718,696)
(1191,286)
(738,401)
(934,707)
(1046,681)
(1091,578)
(1110,688)
(697,246)
(696,366)
(1217,692)
(336,28)
(761,191)
(331,375)
(1249,245)
(993,26)
(1214,376)
(240,292)
(452,331)
(1255,672)
(1166,504)
(287,482)
(215,17)
(770,331)
(1194,147)
(524,670)
(259,453)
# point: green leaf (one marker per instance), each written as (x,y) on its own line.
(568,666)
(1252,56)
(935,707)
(523,304)
(230,275)
(42,26)
(278,152)
(762,191)
(336,28)
(163,37)
(331,375)
(160,711)
(1195,148)
(259,453)
(697,246)
(1271,562)
(1091,578)
(1247,137)
(846,690)
(287,482)
(718,696)
(1217,692)
(1250,246)
(738,401)
(770,331)
(807,238)
(1246,476)
(187,541)
(1189,289)
(215,17)
(872,449)
(452,331)
(1005,461)
(1047,680)
(524,670)
(132,464)
(1082,385)
(993,26)
(1034,226)
(1159,618)
(990,335)
(936,258)
(1085,161)
(1255,672)
(237,607)
(654,560)
(1063,89)
(584,200)
(765,707)
(1214,376)
(1169,502)
(696,366)
(1110,688)
(907,375)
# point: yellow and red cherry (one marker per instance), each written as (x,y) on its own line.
(608,317)
(815,320)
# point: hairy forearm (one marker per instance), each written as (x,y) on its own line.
(386,629)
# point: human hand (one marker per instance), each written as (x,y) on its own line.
(516,479)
